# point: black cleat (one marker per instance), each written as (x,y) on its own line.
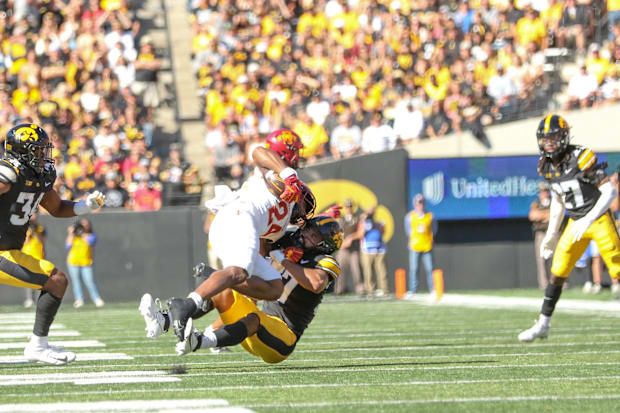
(181,309)
(202,270)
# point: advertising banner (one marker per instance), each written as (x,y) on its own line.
(481,188)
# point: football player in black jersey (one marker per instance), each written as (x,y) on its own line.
(579,186)
(27,176)
(308,268)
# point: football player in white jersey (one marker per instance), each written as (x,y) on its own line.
(245,219)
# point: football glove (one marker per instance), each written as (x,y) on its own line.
(292,190)
(292,254)
(580,227)
(547,246)
(95,200)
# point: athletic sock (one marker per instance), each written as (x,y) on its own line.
(196,298)
(552,295)
(47,306)
(231,334)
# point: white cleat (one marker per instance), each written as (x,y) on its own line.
(538,330)
(153,316)
(48,354)
(190,342)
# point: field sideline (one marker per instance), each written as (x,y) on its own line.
(362,356)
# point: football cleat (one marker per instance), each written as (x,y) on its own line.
(153,316)
(180,309)
(48,354)
(538,330)
(191,339)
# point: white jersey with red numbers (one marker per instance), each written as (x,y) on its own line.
(241,218)
(271,214)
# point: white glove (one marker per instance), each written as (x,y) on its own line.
(547,246)
(95,200)
(580,227)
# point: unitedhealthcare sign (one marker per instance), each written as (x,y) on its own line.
(475,188)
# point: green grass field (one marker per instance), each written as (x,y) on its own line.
(361,356)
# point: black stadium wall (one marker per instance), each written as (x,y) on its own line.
(155,251)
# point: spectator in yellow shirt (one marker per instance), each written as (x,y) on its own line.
(531,29)
(80,243)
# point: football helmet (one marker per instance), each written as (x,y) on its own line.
(304,209)
(287,144)
(331,233)
(29,144)
(555,128)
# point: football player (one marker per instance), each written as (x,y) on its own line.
(27,176)
(245,219)
(308,267)
(579,186)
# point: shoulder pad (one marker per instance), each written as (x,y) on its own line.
(585,157)
(8,173)
(328,264)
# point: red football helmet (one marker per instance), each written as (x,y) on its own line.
(287,144)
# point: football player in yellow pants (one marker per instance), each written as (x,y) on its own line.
(580,187)
(272,332)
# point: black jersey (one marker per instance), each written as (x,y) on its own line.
(22,200)
(297,306)
(575,179)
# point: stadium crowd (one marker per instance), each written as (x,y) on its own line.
(86,72)
(358,76)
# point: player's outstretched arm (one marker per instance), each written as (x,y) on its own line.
(268,159)
(66,209)
(556,215)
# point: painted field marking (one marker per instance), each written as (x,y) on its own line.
(322,385)
(26,334)
(88,378)
(486,301)
(65,344)
(354,369)
(79,357)
(193,405)
(17,327)
(435,401)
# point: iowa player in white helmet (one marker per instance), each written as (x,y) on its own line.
(579,186)
(307,266)
(27,176)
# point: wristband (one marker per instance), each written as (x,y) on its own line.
(286,172)
(80,208)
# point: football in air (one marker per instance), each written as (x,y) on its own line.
(275,184)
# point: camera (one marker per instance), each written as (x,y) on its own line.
(78,229)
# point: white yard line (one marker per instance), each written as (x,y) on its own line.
(214,362)
(155,406)
(108,377)
(66,344)
(507,399)
(80,357)
(17,327)
(520,303)
(26,334)
(327,385)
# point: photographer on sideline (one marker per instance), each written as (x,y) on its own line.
(80,243)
